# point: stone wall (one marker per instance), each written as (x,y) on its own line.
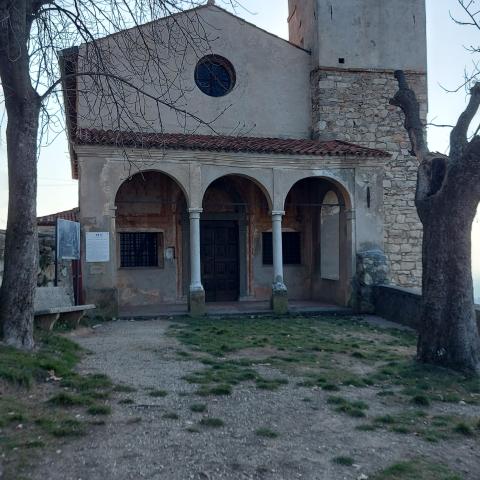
(353,105)
(46,261)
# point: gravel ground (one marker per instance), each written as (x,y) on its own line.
(137,442)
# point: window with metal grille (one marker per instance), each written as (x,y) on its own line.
(140,249)
(291,248)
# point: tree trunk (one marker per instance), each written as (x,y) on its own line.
(21,243)
(448,333)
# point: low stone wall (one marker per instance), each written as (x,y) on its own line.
(402,305)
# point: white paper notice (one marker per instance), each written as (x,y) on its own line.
(97,246)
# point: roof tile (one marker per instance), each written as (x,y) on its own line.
(223,143)
(49,220)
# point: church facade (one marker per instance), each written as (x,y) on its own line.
(273,166)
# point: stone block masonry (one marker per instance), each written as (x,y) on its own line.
(353,105)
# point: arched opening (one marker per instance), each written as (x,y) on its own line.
(149,237)
(235,212)
(317,239)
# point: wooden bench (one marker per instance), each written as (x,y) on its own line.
(53,303)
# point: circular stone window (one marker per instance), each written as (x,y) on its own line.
(215,76)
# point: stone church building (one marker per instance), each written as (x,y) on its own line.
(279,168)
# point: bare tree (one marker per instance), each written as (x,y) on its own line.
(126,74)
(447,198)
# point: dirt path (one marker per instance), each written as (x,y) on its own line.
(139,442)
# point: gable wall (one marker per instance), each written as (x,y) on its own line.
(271,96)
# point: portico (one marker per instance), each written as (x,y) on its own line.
(230,226)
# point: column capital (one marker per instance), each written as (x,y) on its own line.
(195,212)
(276,213)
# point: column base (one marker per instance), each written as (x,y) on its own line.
(196,303)
(279,301)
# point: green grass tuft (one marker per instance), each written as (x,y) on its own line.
(215,390)
(344,461)
(158,393)
(266,433)
(170,416)
(99,410)
(351,408)
(69,400)
(212,422)
(124,389)
(198,407)
(421,400)
(463,429)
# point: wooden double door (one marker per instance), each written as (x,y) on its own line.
(219,252)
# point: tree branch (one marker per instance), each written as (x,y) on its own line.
(458,137)
(406,99)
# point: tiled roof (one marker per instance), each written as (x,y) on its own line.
(48,220)
(224,143)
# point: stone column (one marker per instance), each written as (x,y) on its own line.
(196,297)
(279,290)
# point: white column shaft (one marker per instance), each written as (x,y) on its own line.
(277,250)
(195,268)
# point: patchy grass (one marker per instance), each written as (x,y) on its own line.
(418,469)
(27,422)
(266,433)
(61,427)
(432,428)
(352,408)
(330,353)
(212,422)
(56,354)
(219,377)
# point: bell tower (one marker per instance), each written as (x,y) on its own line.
(386,34)
(356,45)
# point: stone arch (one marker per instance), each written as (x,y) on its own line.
(318,206)
(148,240)
(339,184)
(235,209)
(257,181)
(182,185)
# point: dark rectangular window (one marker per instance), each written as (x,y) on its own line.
(291,248)
(140,249)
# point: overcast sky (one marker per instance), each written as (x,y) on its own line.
(447,62)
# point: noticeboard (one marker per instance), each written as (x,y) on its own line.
(97,246)
(68,240)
